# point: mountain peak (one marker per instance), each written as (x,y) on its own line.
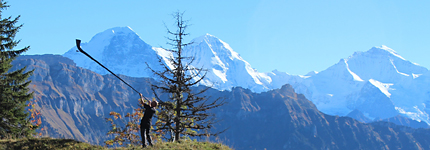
(109,33)
(216,45)
(205,38)
(383,64)
(126,29)
(120,30)
(378,50)
(384,47)
(115,48)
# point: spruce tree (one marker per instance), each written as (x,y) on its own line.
(14,91)
(186,111)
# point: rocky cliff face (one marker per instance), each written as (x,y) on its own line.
(74,102)
(283,119)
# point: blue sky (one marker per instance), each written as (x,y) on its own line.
(287,35)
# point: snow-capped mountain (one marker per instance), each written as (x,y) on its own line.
(120,49)
(124,52)
(226,69)
(379,82)
(75,103)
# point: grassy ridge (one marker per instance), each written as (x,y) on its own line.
(63,144)
(189,145)
(45,143)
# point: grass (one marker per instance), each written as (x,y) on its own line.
(63,144)
(187,145)
(45,143)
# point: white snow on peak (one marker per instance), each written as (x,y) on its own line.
(335,91)
(165,55)
(109,33)
(382,86)
(384,48)
(202,38)
(416,75)
(382,64)
(102,39)
(121,30)
(311,73)
(392,62)
(222,75)
(354,76)
(120,49)
(226,68)
(214,41)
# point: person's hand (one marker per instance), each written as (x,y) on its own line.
(141,98)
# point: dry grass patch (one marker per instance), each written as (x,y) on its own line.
(46,143)
(69,144)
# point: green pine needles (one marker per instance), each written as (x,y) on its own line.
(14,91)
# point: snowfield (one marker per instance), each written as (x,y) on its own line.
(379,82)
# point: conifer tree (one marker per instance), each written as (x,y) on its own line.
(185,112)
(14,91)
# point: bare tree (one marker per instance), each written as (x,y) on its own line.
(184,112)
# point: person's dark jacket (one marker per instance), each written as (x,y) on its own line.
(147,116)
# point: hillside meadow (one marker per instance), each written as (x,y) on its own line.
(69,144)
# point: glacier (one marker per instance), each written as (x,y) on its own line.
(379,82)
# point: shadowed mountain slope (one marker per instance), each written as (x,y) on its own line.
(74,102)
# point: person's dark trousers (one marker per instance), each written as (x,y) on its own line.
(144,133)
